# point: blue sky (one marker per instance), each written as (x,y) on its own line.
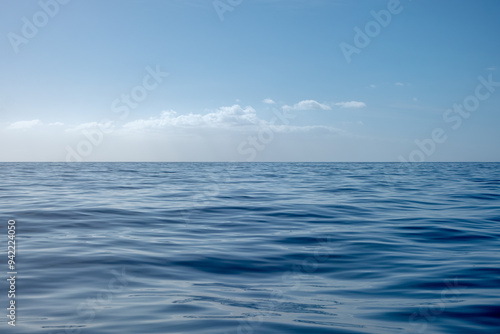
(249,80)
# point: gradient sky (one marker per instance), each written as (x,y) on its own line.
(249,80)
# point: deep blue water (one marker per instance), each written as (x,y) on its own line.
(253,247)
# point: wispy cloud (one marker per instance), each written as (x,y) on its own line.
(109,126)
(307,105)
(351,104)
(269,101)
(23,125)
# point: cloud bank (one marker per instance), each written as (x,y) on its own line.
(228,133)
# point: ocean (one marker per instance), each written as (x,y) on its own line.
(251,248)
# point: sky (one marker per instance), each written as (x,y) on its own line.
(249,80)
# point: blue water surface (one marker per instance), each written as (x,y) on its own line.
(232,248)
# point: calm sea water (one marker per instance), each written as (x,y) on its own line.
(253,247)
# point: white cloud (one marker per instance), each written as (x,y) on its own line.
(373,86)
(399,84)
(351,104)
(22,125)
(307,105)
(56,124)
(269,101)
(493,68)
